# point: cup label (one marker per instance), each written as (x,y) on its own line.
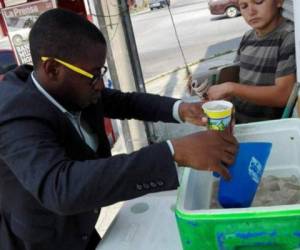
(219,124)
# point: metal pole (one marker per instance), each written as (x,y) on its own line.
(135,61)
(98,15)
(178,41)
(132,49)
(123,60)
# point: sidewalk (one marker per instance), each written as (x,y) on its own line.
(168,84)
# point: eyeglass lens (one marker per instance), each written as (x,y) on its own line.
(99,76)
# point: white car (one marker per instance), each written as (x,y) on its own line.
(157,4)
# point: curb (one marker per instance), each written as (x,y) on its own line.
(188,65)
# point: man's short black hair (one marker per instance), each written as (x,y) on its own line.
(63,34)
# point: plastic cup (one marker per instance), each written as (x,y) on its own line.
(246,173)
(219,114)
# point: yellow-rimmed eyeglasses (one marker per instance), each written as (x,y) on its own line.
(95,78)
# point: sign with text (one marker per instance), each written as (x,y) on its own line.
(19,20)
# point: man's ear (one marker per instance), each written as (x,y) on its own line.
(51,69)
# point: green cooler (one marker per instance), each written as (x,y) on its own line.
(274,227)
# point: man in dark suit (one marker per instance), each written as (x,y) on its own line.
(56,170)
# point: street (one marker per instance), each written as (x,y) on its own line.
(201,35)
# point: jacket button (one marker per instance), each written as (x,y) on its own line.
(84,237)
(96,211)
(139,187)
(146,186)
(153,184)
(160,183)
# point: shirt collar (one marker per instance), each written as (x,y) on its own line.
(52,100)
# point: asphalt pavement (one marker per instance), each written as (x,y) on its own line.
(200,35)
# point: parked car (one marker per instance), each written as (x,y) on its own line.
(7,61)
(157,4)
(221,7)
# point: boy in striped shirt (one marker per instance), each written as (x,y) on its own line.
(267,64)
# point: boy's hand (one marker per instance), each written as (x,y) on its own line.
(220,91)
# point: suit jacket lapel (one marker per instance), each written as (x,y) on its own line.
(75,141)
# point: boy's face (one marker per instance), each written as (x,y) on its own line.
(260,14)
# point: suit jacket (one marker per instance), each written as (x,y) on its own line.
(52,183)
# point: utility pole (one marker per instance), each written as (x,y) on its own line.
(112,17)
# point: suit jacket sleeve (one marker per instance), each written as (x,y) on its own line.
(141,106)
(33,152)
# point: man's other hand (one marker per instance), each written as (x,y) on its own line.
(209,150)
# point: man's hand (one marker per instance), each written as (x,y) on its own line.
(220,91)
(209,150)
(192,113)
